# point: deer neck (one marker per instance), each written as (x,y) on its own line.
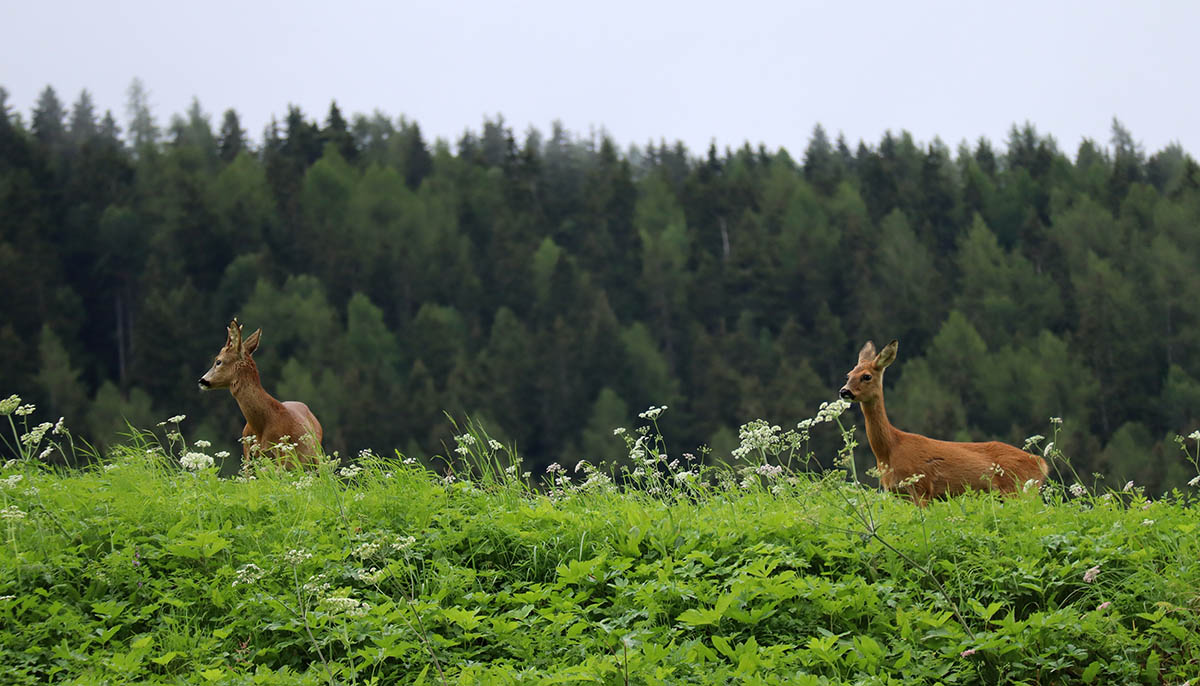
(256,404)
(880,432)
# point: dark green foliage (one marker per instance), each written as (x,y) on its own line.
(517,278)
(135,571)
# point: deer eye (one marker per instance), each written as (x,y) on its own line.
(866,377)
(218,364)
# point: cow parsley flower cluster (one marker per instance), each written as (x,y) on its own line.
(36,434)
(464,442)
(12,514)
(248,574)
(351,607)
(366,550)
(196,461)
(652,413)
(771,471)
(759,436)
(296,556)
(9,405)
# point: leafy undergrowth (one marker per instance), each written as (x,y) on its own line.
(385,572)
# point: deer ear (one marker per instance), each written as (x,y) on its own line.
(251,343)
(867,352)
(887,355)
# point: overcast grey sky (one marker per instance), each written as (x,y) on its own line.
(763,72)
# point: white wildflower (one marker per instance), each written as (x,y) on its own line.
(58,426)
(1090,575)
(1195,435)
(1147,522)
(296,556)
(248,574)
(35,435)
(769,470)
(196,461)
(1078,490)
(12,514)
(366,550)
(403,543)
(462,449)
(177,419)
(580,465)
(555,468)
(1056,420)
(350,471)
(757,435)
(1128,486)
(409,460)
(11,481)
(46,453)
(618,431)
(9,405)
(223,454)
(1195,481)
(1047,449)
(345,605)
(652,413)
(24,410)
(202,444)
(828,412)
(494,444)
(1036,438)
(316,585)
(304,482)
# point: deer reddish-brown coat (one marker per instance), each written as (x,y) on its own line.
(268,420)
(924,467)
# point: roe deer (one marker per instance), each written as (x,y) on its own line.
(922,467)
(269,421)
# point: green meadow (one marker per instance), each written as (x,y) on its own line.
(149,565)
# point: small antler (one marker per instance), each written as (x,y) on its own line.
(233,339)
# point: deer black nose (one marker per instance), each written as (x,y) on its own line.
(203,382)
(846,393)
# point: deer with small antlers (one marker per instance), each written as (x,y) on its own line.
(275,426)
(923,467)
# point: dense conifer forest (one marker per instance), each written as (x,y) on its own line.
(553,285)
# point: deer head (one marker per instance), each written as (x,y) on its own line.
(864,383)
(233,356)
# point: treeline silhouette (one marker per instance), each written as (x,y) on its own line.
(554,286)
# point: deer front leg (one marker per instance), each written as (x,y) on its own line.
(246,445)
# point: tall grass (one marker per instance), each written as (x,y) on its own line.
(648,567)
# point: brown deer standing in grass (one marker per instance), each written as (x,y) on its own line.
(925,468)
(269,421)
